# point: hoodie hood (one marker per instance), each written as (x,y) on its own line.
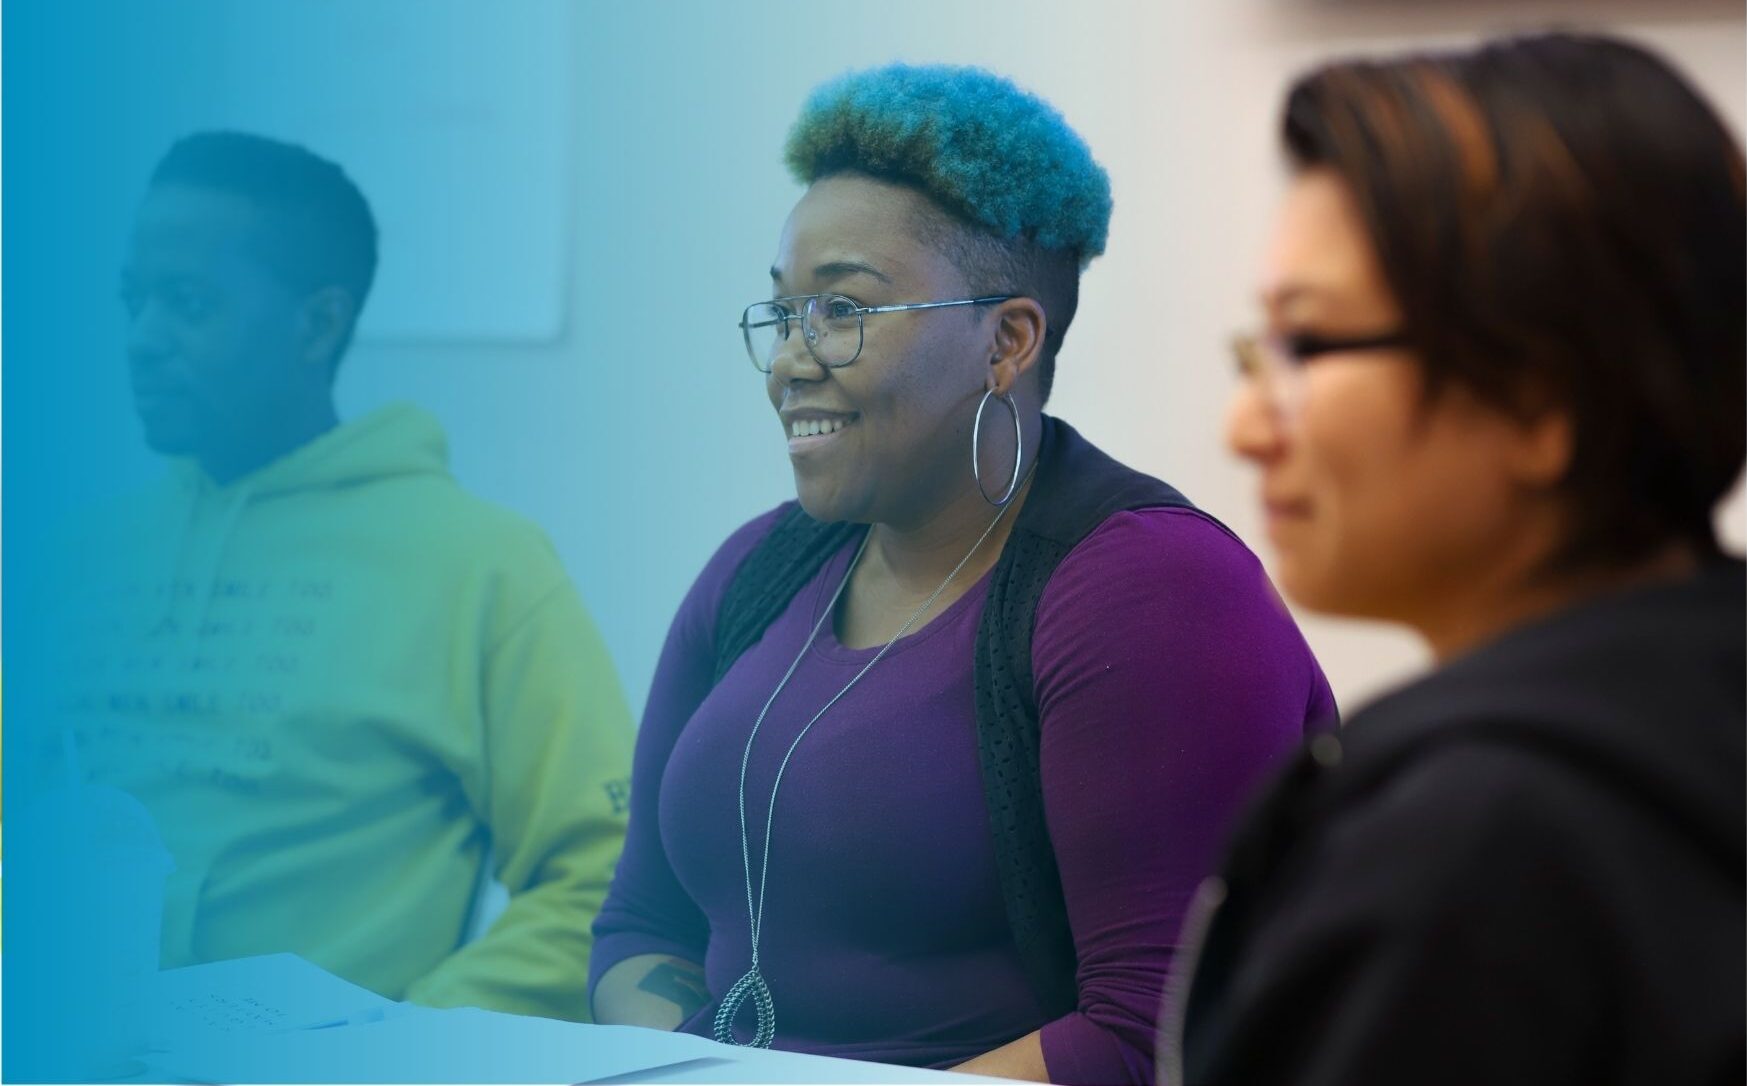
(1646,689)
(399,439)
(1317,949)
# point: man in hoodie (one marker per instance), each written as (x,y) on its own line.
(339,682)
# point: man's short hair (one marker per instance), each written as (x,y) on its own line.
(320,229)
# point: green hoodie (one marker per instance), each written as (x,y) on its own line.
(340,684)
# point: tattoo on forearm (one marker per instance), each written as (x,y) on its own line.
(681,984)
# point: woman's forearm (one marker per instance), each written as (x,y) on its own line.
(1021,1059)
(659,991)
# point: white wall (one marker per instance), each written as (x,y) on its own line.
(640,437)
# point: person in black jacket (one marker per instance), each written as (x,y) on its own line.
(1499,398)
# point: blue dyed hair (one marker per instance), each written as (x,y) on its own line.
(985,150)
(1023,207)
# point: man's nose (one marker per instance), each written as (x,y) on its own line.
(148,333)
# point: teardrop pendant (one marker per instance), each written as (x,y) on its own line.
(751,986)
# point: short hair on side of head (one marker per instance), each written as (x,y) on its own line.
(1024,207)
(322,233)
(1561,220)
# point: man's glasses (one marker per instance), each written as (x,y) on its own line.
(1277,362)
(830,324)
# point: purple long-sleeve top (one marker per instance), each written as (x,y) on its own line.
(1168,679)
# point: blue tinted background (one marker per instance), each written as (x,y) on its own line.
(577,200)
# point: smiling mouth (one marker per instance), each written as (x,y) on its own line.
(817,427)
(1284,509)
(811,433)
(152,397)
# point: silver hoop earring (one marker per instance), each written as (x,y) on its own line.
(977,445)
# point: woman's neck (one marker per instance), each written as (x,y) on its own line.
(919,557)
(918,552)
(1483,612)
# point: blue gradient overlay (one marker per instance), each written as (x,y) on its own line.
(575,202)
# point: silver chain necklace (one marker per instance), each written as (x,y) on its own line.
(752,986)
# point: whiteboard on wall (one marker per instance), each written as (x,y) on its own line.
(455,118)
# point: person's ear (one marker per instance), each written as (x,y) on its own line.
(1541,449)
(1019,331)
(323,325)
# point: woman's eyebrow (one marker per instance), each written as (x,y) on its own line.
(828,273)
(839,269)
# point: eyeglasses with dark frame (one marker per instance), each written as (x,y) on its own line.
(832,325)
(1277,361)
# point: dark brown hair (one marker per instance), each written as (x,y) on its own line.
(1560,218)
(320,231)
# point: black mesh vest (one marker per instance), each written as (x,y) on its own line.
(1077,488)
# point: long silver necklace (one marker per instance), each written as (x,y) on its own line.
(752,986)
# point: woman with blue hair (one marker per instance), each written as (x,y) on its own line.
(936,754)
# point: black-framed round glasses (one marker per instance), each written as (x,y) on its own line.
(831,325)
(1277,362)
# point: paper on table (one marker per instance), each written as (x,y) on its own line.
(251,995)
(770,1067)
(426,1045)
